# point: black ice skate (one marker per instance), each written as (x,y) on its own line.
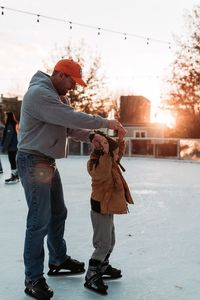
(93,278)
(38,289)
(12,179)
(70,267)
(108,272)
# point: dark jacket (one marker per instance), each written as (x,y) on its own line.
(9,140)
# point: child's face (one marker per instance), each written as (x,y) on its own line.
(116,154)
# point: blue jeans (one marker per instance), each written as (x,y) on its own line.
(46,212)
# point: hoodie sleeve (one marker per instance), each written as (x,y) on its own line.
(79,134)
(47,107)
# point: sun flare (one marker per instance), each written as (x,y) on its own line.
(165,117)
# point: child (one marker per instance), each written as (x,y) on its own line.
(110,195)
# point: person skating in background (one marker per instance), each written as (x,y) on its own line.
(9,145)
(45,124)
(1,131)
(110,195)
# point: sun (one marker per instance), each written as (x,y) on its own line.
(164,117)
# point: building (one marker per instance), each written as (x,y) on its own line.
(134,110)
(135,117)
(143,137)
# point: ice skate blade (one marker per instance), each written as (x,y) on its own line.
(99,292)
(30,294)
(106,277)
(64,273)
(12,182)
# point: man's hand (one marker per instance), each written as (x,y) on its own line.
(115,125)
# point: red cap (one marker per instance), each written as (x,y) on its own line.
(71,68)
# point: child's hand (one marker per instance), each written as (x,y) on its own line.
(121,133)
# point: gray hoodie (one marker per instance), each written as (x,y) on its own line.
(46,122)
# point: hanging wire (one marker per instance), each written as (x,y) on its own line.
(39,16)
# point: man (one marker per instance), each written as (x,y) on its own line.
(45,124)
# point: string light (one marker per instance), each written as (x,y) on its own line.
(125,35)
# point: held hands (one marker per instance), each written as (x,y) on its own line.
(116,125)
(99,141)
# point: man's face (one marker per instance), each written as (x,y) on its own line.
(64,84)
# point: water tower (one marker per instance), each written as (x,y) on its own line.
(134,110)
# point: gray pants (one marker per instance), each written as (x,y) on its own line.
(103,235)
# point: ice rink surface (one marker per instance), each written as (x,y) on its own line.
(158,242)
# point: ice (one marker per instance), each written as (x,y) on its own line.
(157,247)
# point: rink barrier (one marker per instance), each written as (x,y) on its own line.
(185,149)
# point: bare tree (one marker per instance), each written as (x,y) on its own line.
(184,79)
(90,99)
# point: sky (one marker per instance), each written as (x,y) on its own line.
(130,65)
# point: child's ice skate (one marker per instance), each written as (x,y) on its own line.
(110,273)
(93,278)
